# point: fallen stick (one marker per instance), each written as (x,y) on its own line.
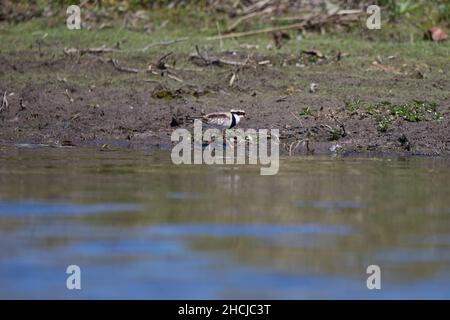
(68,96)
(199,54)
(253,32)
(161,62)
(255,7)
(242,19)
(293,18)
(350,12)
(219,34)
(297,118)
(210,61)
(99,50)
(230,62)
(171,76)
(102,49)
(151,80)
(234,75)
(116,65)
(164,43)
(219,61)
(291,150)
(4,103)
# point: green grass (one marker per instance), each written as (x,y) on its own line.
(309,111)
(182,22)
(361,53)
(362,48)
(386,112)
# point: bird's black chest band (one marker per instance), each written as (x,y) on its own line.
(233,121)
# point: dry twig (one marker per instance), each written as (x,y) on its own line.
(297,144)
(253,32)
(118,67)
(242,19)
(5,103)
(164,43)
(297,118)
(235,72)
(102,49)
(161,62)
(216,61)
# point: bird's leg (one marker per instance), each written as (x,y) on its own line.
(210,141)
(231,144)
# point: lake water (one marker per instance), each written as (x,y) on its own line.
(140,227)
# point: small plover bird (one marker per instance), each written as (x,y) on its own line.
(223,120)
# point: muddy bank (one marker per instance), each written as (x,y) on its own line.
(91,100)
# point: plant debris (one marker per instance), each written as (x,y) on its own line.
(436,34)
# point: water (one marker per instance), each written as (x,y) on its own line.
(140,227)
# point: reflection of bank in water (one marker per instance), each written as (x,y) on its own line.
(233,146)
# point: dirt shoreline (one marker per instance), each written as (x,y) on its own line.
(64,100)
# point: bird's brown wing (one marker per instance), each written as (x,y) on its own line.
(220,119)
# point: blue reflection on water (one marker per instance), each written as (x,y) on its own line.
(330,205)
(248,230)
(39,208)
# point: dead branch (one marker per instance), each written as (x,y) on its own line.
(172,76)
(164,43)
(344,132)
(256,6)
(151,80)
(118,67)
(5,103)
(199,54)
(297,118)
(242,19)
(215,61)
(297,143)
(303,142)
(102,49)
(219,34)
(301,18)
(68,95)
(161,62)
(253,32)
(235,72)
(233,77)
